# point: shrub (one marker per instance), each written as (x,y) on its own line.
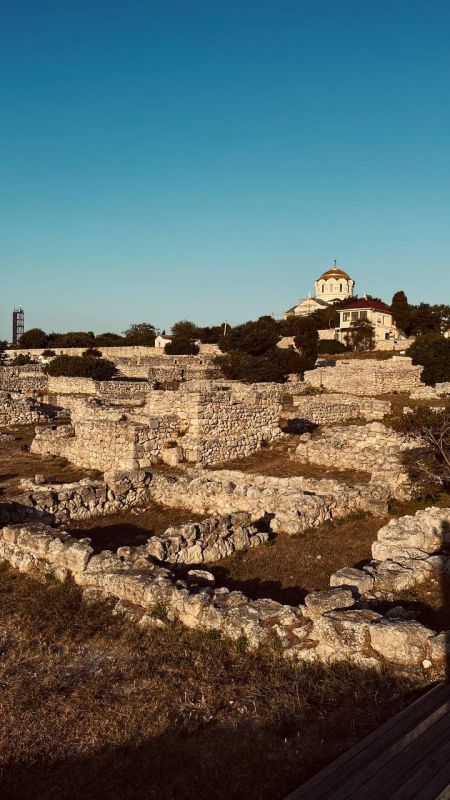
(428,464)
(92,352)
(49,354)
(432,351)
(21,360)
(81,367)
(274,365)
(331,347)
(181,346)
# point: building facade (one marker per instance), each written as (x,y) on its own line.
(377,314)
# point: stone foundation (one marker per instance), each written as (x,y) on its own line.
(372,448)
(366,376)
(334,408)
(331,625)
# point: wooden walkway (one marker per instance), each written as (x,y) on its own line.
(407,758)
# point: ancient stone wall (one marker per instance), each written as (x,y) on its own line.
(366,376)
(208,427)
(28,380)
(334,408)
(16,409)
(372,448)
(207,541)
(291,504)
(331,625)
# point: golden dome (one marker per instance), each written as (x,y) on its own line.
(335,273)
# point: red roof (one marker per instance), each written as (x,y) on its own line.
(373,305)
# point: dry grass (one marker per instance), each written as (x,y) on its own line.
(275,461)
(289,567)
(92,707)
(16,463)
(131,528)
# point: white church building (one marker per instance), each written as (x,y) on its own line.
(334,284)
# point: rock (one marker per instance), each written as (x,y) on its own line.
(400,642)
(318,603)
(353,579)
(202,577)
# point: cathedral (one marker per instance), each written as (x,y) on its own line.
(334,284)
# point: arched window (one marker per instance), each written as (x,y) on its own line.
(323,287)
(340,287)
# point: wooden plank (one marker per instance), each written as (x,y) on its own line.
(431,780)
(369,748)
(388,774)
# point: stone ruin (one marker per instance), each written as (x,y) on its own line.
(126,427)
(200,423)
(344,622)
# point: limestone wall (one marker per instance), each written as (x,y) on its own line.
(80,500)
(209,426)
(27,380)
(331,408)
(331,625)
(15,409)
(292,504)
(372,448)
(207,541)
(366,376)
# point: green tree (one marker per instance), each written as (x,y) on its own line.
(306,341)
(425,319)
(33,339)
(361,336)
(253,338)
(401,311)
(181,346)
(109,340)
(432,351)
(71,339)
(142,333)
(184,329)
(273,365)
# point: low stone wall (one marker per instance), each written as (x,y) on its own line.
(372,448)
(28,380)
(291,504)
(331,408)
(207,541)
(331,625)
(15,409)
(407,552)
(80,500)
(87,387)
(366,376)
(440,391)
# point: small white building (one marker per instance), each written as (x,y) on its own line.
(161,341)
(377,314)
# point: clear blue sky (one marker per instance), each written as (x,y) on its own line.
(167,159)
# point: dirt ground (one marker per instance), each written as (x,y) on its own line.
(92,707)
(289,567)
(17,463)
(130,529)
(275,460)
